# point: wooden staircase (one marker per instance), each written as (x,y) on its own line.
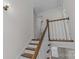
(33,48)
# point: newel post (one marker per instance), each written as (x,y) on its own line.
(48,29)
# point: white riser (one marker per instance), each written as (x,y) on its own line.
(29,51)
(32,46)
(34,41)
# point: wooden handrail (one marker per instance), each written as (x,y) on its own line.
(42,36)
(40,43)
(48,21)
(67,18)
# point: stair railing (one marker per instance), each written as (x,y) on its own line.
(40,43)
(55,29)
(43,34)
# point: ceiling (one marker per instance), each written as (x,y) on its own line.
(43,5)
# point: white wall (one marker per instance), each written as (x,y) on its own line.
(49,14)
(35,23)
(18,27)
(69,7)
(66,53)
(66,50)
(70,53)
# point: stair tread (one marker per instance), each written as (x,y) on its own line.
(29,48)
(27,55)
(29,51)
(32,46)
(33,43)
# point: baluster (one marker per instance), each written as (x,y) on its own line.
(55,30)
(51,32)
(59,32)
(65,29)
